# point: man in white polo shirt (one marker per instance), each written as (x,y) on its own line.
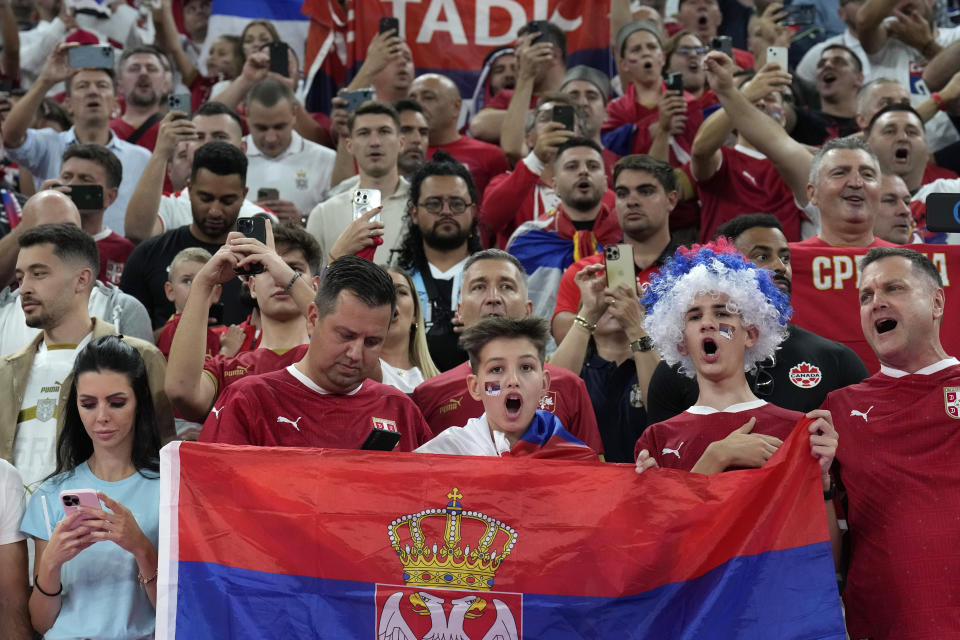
(375,144)
(280,158)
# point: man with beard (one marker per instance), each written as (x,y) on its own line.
(440,236)
(91,98)
(55,270)
(414,135)
(781,380)
(440,99)
(581,223)
(144,82)
(217,191)
(374,142)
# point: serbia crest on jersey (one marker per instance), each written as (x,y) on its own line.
(951,401)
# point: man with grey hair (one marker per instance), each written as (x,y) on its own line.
(494,285)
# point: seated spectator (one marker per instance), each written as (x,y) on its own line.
(14,616)
(494,284)
(540,69)
(107,302)
(283,293)
(718,315)
(804,369)
(91,164)
(216,195)
(374,142)
(324,400)
(441,233)
(648,118)
(405,358)
(91,98)
(181,272)
(151,211)
(440,99)
(508,378)
(55,272)
(280,158)
(894,221)
(144,80)
(109,445)
(576,229)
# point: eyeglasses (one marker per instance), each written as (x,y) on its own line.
(698,51)
(435,205)
(764,384)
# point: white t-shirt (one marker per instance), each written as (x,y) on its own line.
(903,63)
(472,439)
(405,380)
(34,447)
(12,503)
(301,173)
(175,210)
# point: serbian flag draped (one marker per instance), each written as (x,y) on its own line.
(229,17)
(307,543)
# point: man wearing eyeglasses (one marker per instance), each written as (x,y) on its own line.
(804,369)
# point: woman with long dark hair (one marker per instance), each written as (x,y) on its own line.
(95,570)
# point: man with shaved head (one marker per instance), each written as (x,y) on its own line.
(440,99)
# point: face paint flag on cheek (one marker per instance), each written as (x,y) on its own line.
(491,388)
(726,330)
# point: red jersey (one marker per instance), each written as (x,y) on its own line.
(502,100)
(286,409)
(225,371)
(484,160)
(933,172)
(678,443)
(818,242)
(165,339)
(568,293)
(746,182)
(114,250)
(445,403)
(899,443)
(124,131)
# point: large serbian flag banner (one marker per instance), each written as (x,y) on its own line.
(306,543)
(826,283)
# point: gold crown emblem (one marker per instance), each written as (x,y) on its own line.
(444,563)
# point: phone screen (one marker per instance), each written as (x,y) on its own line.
(279,58)
(564,114)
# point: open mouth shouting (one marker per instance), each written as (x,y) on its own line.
(885,325)
(513,402)
(901,155)
(710,347)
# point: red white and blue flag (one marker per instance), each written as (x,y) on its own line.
(307,543)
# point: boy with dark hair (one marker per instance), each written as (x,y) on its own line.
(508,378)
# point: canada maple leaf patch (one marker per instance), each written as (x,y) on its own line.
(805,375)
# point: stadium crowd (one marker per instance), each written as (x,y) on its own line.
(187,252)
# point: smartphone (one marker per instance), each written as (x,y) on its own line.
(91,56)
(279,58)
(386,24)
(564,114)
(777,55)
(87,197)
(253,227)
(215,314)
(356,98)
(364,200)
(179,102)
(723,44)
(267,193)
(72,499)
(675,82)
(540,28)
(618,262)
(943,212)
(799,15)
(381,440)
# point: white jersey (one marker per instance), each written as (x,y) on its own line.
(12,503)
(473,439)
(34,447)
(301,174)
(405,380)
(175,210)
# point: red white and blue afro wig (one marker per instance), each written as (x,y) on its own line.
(716,268)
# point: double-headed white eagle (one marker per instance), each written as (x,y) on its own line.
(442,627)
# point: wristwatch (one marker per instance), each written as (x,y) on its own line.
(642,345)
(830,493)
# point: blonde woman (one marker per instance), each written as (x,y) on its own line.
(405,360)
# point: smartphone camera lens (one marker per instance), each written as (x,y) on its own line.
(245,225)
(71,501)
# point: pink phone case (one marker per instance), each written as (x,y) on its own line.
(72,499)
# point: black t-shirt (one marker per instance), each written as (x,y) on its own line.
(146,272)
(815,127)
(788,383)
(442,342)
(615,396)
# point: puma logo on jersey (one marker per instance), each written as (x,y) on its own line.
(293,423)
(216,411)
(862,414)
(675,452)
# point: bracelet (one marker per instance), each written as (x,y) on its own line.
(830,493)
(586,324)
(36,583)
(296,274)
(936,97)
(145,581)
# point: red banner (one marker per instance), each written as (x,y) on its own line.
(825,299)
